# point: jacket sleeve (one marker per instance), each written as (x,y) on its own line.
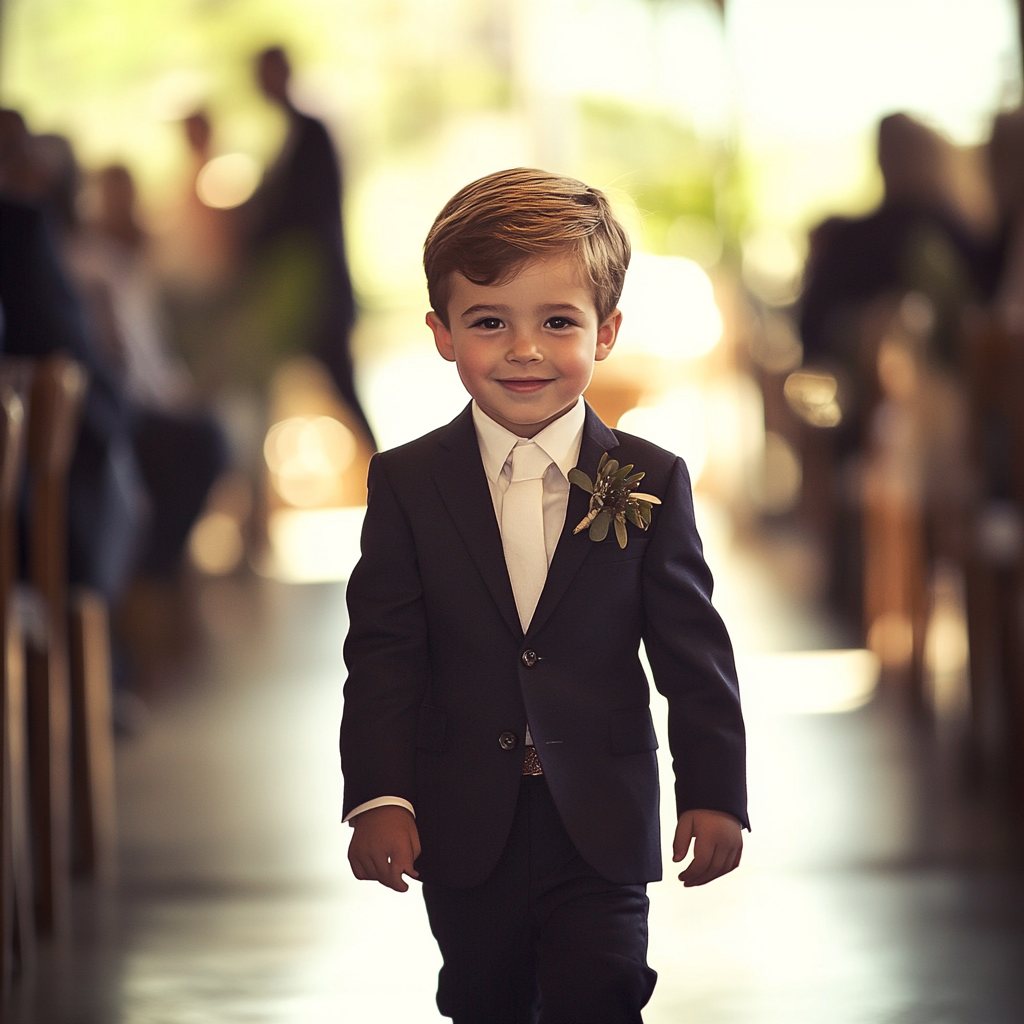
(692,660)
(386,654)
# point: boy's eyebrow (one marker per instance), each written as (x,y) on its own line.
(484,307)
(487,307)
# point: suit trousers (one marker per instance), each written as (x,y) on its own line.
(545,939)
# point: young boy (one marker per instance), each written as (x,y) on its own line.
(497,740)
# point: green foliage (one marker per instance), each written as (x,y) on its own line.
(612,501)
(662,164)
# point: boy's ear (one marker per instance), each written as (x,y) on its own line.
(442,337)
(606,335)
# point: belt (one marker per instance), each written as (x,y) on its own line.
(531,762)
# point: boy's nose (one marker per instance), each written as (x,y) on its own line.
(524,348)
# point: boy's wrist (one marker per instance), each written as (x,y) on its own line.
(380,801)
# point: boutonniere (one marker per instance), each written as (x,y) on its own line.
(612,500)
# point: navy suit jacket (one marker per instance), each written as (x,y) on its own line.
(439,668)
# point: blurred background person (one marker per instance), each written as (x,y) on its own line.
(922,242)
(196,259)
(42,315)
(919,239)
(180,447)
(294,240)
(197,251)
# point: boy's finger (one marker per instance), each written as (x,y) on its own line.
(394,880)
(358,869)
(412,851)
(721,863)
(396,869)
(382,869)
(362,865)
(388,876)
(401,863)
(683,838)
(702,854)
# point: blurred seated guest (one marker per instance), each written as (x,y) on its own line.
(922,243)
(1006,169)
(41,316)
(180,448)
(918,240)
(292,229)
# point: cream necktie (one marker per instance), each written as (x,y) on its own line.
(522,527)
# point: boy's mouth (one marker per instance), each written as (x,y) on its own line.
(525,385)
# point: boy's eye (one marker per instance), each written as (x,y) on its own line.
(559,323)
(489,323)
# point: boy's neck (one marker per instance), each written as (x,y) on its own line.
(527,430)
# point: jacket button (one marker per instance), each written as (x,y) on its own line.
(508,741)
(530,658)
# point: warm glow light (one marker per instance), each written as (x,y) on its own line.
(409,396)
(772,266)
(812,395)
(949,61)
(314,545)
(678,422)
(808,682)
(776,346)
(776,487)
(306,456)
(891,637)
(669,308)
(227,181)
(215,544)
(947,646)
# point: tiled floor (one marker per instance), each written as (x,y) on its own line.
(873,888)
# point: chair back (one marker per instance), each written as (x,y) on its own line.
(57,392)
(17,933)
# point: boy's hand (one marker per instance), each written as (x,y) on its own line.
(718,843)
(385,846)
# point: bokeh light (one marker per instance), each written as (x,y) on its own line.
(215,544)
(669,308)
(306,456)
(227,181)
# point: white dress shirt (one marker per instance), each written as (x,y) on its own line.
(560,440)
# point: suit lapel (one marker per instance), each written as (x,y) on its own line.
(462,483)
(572,548)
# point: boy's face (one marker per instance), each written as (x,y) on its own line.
(526,349)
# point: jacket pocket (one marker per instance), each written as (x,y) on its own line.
(609,551)
(633,731)
(431,728)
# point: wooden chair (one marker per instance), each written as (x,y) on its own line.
(57,392)
(93,791)
(993,360)
(17,933)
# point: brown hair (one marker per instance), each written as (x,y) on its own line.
(490,228)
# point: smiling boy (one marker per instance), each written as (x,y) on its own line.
(497,740)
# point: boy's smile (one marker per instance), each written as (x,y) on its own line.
(525,349)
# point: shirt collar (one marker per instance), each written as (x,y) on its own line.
(560,440)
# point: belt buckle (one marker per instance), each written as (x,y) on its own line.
(531,762)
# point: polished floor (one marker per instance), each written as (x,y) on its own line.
(877,887)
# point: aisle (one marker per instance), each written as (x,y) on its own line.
(868,893)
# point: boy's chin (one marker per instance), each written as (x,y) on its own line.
(525,424)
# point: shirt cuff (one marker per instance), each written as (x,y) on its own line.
(380,801)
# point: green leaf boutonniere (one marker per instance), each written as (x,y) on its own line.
(612,500)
